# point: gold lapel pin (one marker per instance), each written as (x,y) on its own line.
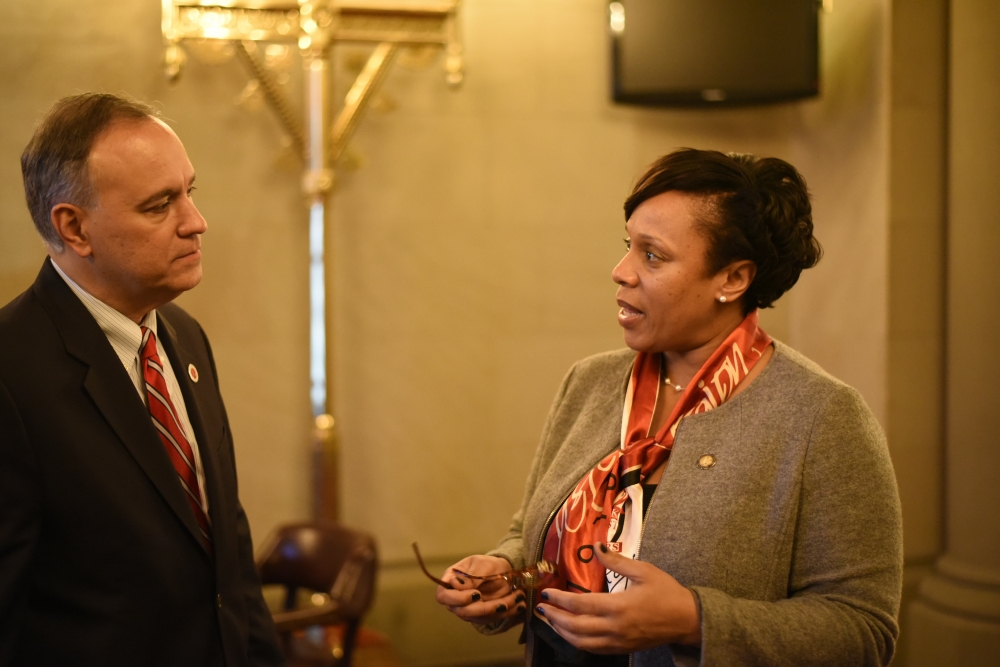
(706,461)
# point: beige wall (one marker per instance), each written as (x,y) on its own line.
(473,247)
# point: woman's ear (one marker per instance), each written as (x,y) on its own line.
(735,279)
(70,224)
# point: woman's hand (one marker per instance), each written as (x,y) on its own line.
(654,610)
(479,601)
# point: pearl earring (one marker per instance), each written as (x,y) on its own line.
(722,299)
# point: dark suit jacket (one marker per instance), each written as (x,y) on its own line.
(100,559)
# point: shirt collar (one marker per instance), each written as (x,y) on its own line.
(124,335)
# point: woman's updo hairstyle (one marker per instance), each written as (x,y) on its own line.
(755,208)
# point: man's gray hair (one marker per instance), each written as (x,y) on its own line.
(54,163)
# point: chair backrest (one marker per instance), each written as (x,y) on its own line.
(322,557)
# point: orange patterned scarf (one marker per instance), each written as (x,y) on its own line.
(606,505)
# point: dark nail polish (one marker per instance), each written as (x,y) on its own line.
(604,549)
(521,608)
(519,599)
(460,580)
(501,608)
(476,596)
(545,595)
(540,610)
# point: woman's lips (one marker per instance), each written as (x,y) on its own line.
(629,315)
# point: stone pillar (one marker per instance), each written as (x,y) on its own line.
(956,617)
(918,132)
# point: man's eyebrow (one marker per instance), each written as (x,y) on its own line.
(165,192)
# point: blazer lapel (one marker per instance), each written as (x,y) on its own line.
(111,389)
(180,358)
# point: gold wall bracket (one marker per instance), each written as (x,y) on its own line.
(316,27)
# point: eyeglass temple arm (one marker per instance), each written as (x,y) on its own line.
(420,562)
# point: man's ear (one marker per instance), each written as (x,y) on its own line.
(736,279)
(70,223)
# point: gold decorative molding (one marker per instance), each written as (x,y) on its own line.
(431,23)
(315,26)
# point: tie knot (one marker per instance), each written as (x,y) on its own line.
(148,348)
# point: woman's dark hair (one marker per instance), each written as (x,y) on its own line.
(755,208)
(54,163)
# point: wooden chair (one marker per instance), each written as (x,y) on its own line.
(324,558)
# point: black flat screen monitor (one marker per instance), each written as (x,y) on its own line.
(713,52)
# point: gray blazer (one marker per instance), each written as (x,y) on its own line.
(791,542)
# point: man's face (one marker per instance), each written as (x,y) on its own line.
(144,230)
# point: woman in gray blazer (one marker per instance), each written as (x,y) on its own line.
(708,496)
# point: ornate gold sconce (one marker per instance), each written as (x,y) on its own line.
(316,27)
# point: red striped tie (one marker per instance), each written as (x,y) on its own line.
(165,420)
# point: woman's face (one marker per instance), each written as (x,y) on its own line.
(665,292)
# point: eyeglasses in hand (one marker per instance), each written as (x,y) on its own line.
(528,578)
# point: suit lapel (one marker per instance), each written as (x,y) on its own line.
(180,358)
(111,389)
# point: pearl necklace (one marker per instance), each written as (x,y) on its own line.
(675,387)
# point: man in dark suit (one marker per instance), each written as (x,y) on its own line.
(122,540)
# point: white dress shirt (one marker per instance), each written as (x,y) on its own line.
(125,337)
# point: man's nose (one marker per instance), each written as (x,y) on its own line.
(193,222)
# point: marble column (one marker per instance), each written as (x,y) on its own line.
(955,619)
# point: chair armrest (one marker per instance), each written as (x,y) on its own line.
(330,613)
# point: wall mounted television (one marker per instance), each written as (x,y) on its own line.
(713,52)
